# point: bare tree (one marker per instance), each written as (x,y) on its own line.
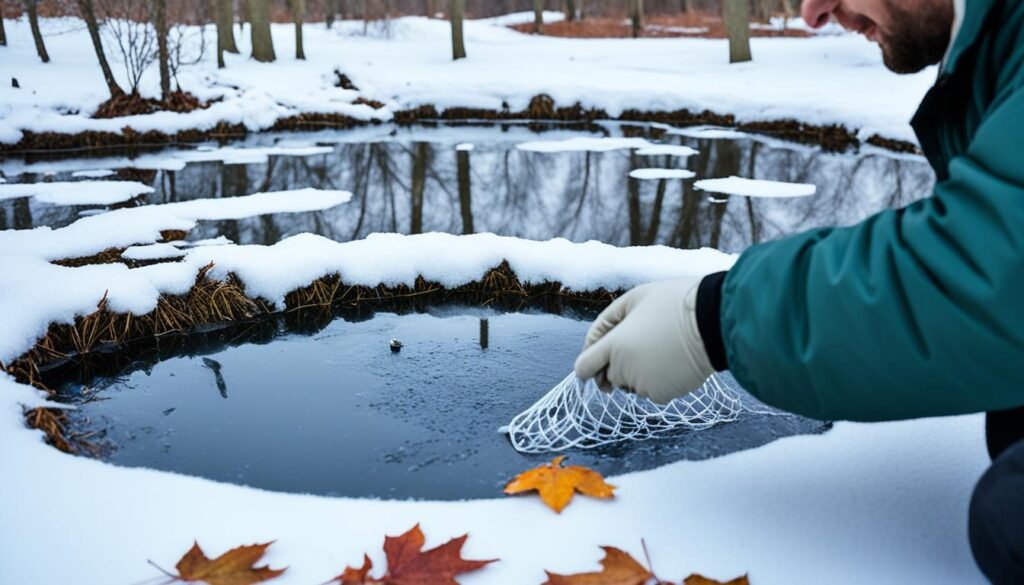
(456,10)
(428,8)
(636,16)
(569,7)
(736,15)
(158,16)
(127,27)
(330,11)
(3,33)
(178,47)
(298,8)
(538,16)
(37,36)
(225,18)
(259,26)
(88,13)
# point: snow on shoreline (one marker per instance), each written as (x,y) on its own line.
(840,79)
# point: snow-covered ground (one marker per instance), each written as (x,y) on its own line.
(862,503)
(824,79)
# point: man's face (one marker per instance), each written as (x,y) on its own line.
(913,34)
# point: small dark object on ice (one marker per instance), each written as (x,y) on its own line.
(14,83)
(396,346)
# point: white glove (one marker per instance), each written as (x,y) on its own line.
(647,342)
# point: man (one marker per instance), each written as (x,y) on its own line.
(914,312)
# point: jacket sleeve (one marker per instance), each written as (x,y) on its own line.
(913,312)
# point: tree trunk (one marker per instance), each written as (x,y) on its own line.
(465,191)
(736,14)
(787,7)
(455,13)
(259,27)
(636,15)
(330,11)
(428,8)
(570,10)
(3,33)
(37,36)
(298,8)
(582,10)
(158,14)
(419,182)
(224,14)
(538,16)
(688,6)
(88,13)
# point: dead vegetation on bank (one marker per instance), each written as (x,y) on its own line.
(541,108)
(211,301)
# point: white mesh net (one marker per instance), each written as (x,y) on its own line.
(576,414)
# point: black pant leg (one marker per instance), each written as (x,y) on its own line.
(1003,428)
(996,519)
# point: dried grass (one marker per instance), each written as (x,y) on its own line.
(212,301)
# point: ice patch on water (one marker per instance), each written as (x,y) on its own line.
(755,187)
(654,174)
(76,192)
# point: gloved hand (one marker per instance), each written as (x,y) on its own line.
(647,342)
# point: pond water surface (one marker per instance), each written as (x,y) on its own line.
(338,413)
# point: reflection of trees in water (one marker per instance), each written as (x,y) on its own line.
(421,187)
(418,187)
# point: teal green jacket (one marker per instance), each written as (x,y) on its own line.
(918,311)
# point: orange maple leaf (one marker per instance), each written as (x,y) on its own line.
(697,579)
(234,567)
(557,484)
(409,564)
(618,568)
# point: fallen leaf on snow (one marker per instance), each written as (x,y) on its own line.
(557,484)
(234,567)
(696,579)
(409,564)
(618,568)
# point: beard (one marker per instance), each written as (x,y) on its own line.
(916,39)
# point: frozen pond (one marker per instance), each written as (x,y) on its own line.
(565,183)
(338,413)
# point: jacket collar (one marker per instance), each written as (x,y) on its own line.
(975,13)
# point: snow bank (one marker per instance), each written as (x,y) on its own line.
(755,187)
(76,192)
(836,79)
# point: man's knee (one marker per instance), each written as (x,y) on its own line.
(996,523)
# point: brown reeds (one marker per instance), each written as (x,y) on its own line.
(212,301)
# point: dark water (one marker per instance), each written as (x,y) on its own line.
(407,180)
(338,413)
